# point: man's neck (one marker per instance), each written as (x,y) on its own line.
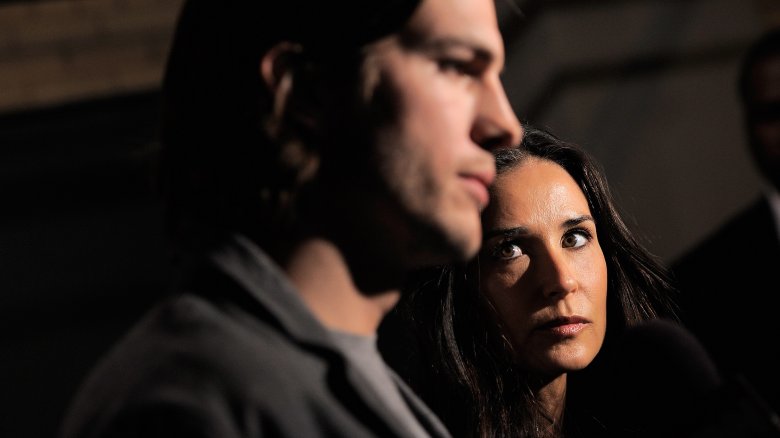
(321,274)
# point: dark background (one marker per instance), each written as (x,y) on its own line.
(646,86)
(81,247)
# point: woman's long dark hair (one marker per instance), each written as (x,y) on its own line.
(469,378)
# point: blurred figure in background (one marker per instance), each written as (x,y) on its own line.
(728,280)
(314,153)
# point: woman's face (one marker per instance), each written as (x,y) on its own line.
(542,268)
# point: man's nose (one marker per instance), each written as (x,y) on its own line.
(496,125)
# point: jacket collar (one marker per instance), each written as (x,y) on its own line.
(249,266)
(258,275)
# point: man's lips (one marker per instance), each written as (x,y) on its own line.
(477,184)
(477,190)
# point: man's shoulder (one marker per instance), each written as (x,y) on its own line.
(191,357)
(189,334)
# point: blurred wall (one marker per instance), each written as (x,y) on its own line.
(81,246)
(647,86)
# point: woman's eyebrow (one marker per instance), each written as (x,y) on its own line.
(505,232)
(577,220)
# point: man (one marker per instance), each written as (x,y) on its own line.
(728,281)
(313,155)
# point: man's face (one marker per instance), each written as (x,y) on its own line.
(764,117)
(437,104)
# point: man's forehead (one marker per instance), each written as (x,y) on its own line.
(466,23)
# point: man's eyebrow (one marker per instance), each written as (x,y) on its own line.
(479,50)
(505,232)
(440,44)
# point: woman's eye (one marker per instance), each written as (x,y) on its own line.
(507,251)
(575,239)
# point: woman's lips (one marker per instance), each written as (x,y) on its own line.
(566,329)
(569,326)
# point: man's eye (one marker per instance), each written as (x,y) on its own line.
(575,239)
(507,251)
(458,66)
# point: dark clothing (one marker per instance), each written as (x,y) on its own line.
(729,284)
(233,353)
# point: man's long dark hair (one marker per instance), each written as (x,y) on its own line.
(226,164)
(468,376)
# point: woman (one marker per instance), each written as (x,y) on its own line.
(515,329)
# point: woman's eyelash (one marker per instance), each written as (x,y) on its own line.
(582,231)
(497,250)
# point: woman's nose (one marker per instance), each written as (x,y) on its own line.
(557,276)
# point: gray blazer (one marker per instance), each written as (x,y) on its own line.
(233,353)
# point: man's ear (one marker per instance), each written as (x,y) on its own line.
(278,63)
(279,70)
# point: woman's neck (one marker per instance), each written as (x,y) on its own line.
(552,399)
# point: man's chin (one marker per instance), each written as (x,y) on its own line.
(463,243)
(469,252)
(440,243)
(461,249)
